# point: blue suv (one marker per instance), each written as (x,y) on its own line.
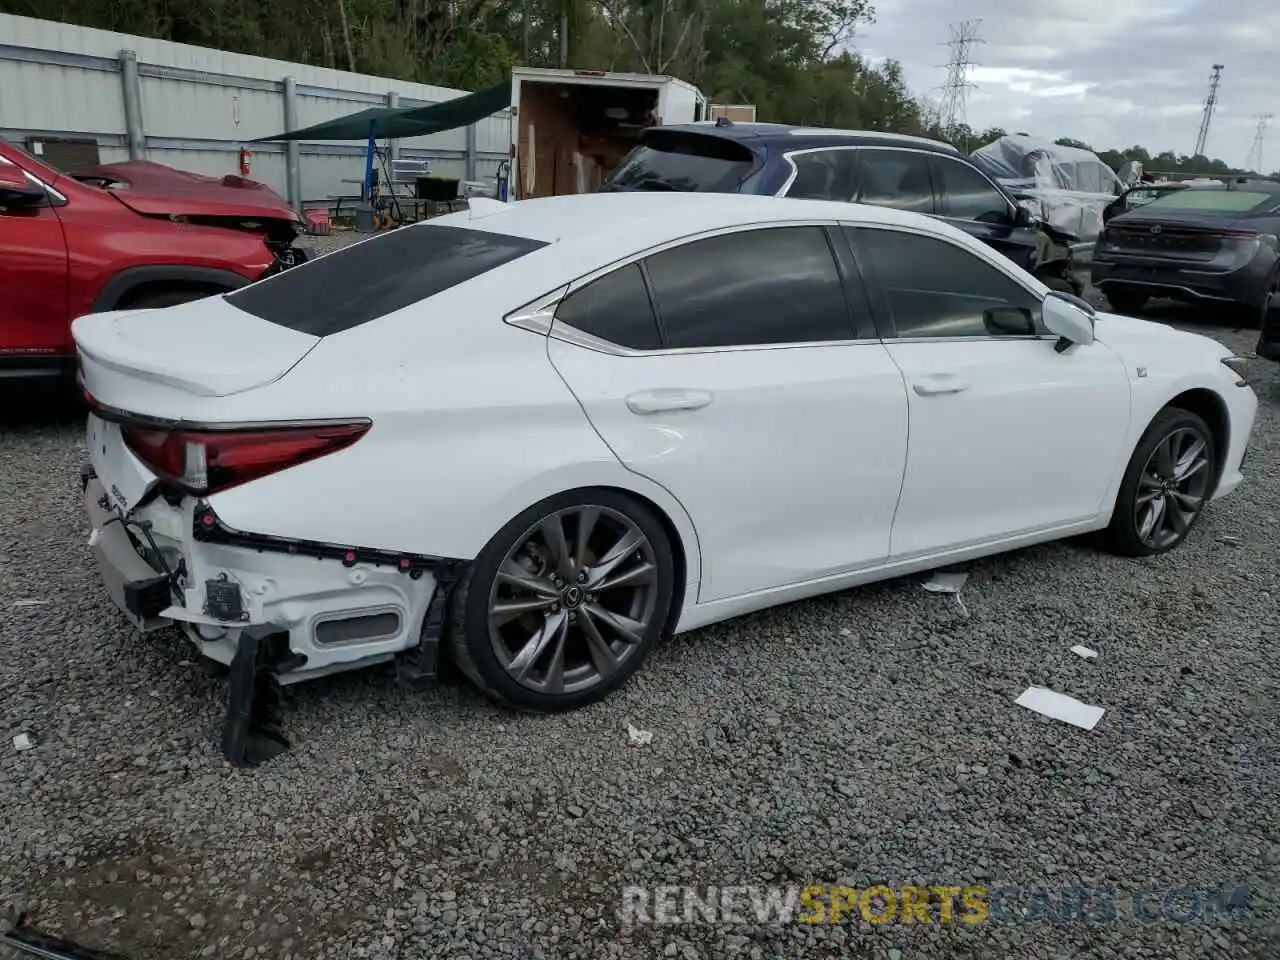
(883,169)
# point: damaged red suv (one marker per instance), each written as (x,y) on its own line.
(122,236)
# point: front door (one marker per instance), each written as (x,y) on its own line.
(1007,435)
(33,279)
(751,395)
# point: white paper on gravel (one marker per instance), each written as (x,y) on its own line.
(1058,706)
(1084,652)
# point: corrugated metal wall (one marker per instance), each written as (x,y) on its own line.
(199,106)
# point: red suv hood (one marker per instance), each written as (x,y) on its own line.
(154,189)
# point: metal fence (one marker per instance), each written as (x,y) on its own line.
(195,108)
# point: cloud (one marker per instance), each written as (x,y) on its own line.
(1109,72)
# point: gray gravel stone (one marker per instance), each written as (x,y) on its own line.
(880,745)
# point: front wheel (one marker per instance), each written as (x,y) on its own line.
(564,604)
(1165,487)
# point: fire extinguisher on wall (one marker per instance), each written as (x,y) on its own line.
(244,161)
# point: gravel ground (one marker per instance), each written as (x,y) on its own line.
(866,737)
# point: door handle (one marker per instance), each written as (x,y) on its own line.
(940,383)
(663,401)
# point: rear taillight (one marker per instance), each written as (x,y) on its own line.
(206,461)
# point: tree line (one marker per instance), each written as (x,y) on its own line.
(793,59)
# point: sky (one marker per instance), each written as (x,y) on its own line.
(1112,73)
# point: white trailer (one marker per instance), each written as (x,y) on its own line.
(570,128)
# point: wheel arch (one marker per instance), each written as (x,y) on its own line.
(680,550)
(1212,409)
(133,281)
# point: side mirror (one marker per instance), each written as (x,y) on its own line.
(1022,216)
(16,191)
(1070,317)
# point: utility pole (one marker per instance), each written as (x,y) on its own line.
(1254,160)
(1210,103)
(963,36)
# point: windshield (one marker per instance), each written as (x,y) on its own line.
(1217,201)
(690,163)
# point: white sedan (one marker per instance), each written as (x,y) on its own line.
(543,435)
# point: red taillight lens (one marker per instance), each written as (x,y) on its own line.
(208,461)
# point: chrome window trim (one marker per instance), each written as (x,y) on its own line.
(795,172)
(900,137)
(538,315)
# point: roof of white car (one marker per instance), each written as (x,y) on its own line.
(677,214)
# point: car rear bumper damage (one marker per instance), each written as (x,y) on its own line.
(274,610)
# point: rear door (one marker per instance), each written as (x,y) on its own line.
(755,392)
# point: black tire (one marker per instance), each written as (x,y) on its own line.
(1124,535)
(1126,300)
(470,642)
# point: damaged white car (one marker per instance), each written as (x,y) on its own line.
(542,436)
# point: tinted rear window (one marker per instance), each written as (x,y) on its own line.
(684,162)
(1211,200)
(360,283)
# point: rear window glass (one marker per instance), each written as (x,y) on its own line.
(684,162)
(368,280)
(1215,201)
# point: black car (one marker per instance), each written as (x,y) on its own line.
(1214,244)
(884,169)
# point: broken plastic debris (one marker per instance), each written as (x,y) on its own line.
(22,742)
(1230,541)
(946,582)
(1058,706)
(29,603)
(1084,652)
(639,737)
(949,583)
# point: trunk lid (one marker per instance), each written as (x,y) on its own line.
(205,348)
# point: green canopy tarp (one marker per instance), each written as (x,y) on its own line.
(391,122)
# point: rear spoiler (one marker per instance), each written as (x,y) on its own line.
(30,942)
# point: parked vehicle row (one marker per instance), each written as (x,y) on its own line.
(1214,244)
(883,169)
(122,235)
(571,425)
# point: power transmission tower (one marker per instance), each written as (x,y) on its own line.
(963,36)
(1254,160)
(1210,103)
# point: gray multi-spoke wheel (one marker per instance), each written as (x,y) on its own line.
(1169,480)
(565,603)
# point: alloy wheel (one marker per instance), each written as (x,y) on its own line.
(1172,488)
(573,600)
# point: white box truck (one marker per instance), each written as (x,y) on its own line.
(570,128)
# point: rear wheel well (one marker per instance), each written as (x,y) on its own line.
(1210,408)
(163,289)
(677,549)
